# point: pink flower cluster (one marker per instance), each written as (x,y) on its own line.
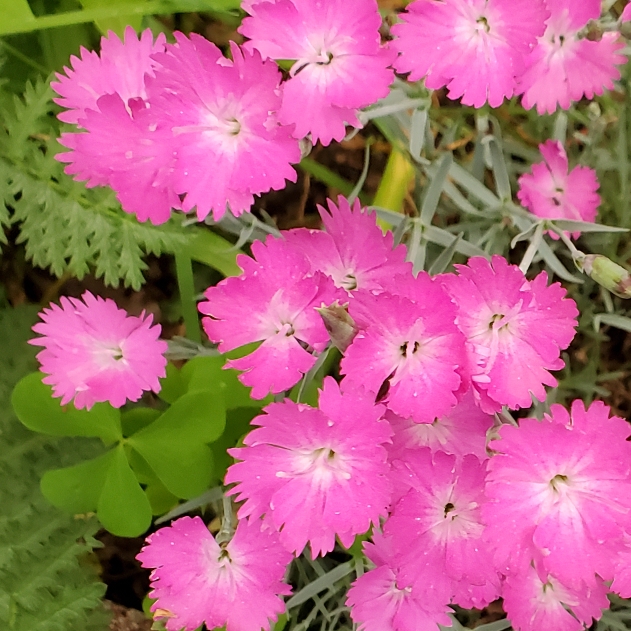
(183,126)
(400,444)
(488,50)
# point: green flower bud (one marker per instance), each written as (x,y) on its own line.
(339,325)
(605,272)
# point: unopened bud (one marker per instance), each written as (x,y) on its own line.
(339,325)
(605,272)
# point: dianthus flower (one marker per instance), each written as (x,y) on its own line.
(438,525)
(515,330)
(315,473)
(125,150)
(274,302)
(560,490)
(119,69)
(564,68)
(381,601)
(626,14)
(551,191)
(93,352)
(222,113)
(534,600)
(339,63)
(353,251)
(411,342)
(197,580)
(474,47)
(460,432)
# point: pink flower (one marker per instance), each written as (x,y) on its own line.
(551,191)
(411,342)
(272,302)
(534,601)
(474,47)
(196,580)
(222,113)
(560,490)
(460,432)
(438,525)
(128,153)
(381,601)
(340,65)
(626,14)
(563,68)
(353,251)
(515,330)
(93,352)
(120,69)
(315,473)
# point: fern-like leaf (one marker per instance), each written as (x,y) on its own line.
(65,227)
(45,584)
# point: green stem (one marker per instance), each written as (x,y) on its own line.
(184,271)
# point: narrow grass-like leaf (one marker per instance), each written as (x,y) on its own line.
(320,584)
(432,196)
(445,257)
(500,173)
(612,319)
(417,132)
(444,238)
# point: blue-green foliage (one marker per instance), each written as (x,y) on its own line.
(47,582)
(67,228)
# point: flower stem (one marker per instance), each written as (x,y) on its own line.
(184,271)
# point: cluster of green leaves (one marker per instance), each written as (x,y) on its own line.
(151,457)
(46,579)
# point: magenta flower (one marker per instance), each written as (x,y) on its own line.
(274,302)
(222,113)
(126,152)
(381,601)
(197,580)
(119,69)
(411,342)
(515,330)
(534,601)
(551,191)
(564,68)
(315,473)
(560,490)
(460,432)
(474,47)
(626,14)
(339,63)
(93,352)
(438,525)
(353,251)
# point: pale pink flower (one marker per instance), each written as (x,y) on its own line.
(474,47)
(339,63)
(274,302)
(534,600)
(381,601)
(315,473)
(227,142)
(460,432)
(93,352)
(438,525)
(120,69)
(353,251)
(125,150)
(411,342)
(563,68)
(560,489)
(515,329)
(552,191)
(197,580)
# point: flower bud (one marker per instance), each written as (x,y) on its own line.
(339,325)
(605,272)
